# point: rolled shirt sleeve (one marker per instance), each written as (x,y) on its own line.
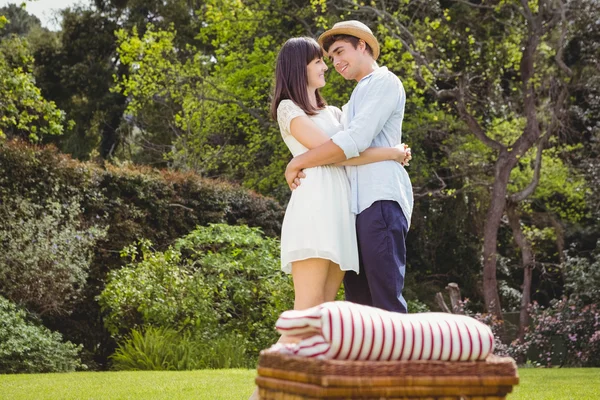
(377,99)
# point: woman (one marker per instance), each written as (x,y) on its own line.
(318,238)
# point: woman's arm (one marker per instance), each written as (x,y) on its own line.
(307,132)
(400,153)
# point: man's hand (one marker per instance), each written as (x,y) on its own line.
(293,174)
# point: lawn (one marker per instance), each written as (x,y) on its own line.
(236,384)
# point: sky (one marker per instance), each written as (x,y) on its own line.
(43,9)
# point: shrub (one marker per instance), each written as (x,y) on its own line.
(566,333)
(45,253)
(27,347)
(582,276)
(161,349)
(218,280)
(134,203)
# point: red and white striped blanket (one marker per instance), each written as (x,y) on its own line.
(348,331)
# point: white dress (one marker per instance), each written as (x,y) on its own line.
(318,222)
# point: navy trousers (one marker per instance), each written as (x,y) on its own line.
(381,231)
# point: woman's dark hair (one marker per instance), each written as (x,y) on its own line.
(291,78)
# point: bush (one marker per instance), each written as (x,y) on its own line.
(45,254)
(566,333)
(165,349)
(218,280)
(26,347)
(582,276)
(134,203)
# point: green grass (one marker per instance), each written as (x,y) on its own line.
(223,384)
(237,384)
(557,384)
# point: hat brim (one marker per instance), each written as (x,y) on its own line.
(356,32)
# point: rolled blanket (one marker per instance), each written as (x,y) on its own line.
(348,331)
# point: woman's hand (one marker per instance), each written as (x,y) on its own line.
(403,154)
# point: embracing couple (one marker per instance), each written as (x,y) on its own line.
(352,200)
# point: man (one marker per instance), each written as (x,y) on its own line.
(381,192)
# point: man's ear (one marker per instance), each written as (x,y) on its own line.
(362,45)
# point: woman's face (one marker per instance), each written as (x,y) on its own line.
(316,73)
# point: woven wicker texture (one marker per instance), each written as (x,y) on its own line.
(284,377)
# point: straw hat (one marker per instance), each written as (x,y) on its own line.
(353,28)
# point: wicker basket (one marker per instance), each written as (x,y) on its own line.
(282,377)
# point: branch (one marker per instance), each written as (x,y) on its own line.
(474,5)
(528,191)
(439,299)
(556,121)
(561,43)
(472,123)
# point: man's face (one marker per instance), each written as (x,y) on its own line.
(348,61)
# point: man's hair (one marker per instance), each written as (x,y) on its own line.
(353,40)
(291,77)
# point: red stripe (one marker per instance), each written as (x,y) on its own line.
(470,341)
(362,323)
(451,341)
(342,333)
(382,337)
(403,340)
(422,341)
(393,342)
(308,346)
(292,328)
(441,341)
(432,341)
(460,341)
(301,317)
(413,341)
(480,344)
(330,327)
(319,354)
(351,333)
(373,336)
(491,335)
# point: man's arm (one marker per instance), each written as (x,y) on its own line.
(327,153)
(378,103)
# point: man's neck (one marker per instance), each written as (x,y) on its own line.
(370,67)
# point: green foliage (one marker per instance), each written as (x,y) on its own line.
(165,349)
(582,276)
(26,347)
(45,253)
(214,105)
(24,112)
(218,280)
(134,203)
(20,22)
(75,69)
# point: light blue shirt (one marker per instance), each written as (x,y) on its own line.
(373,118)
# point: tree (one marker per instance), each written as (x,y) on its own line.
(24,112)
(75,70)
(21,22)
(213,99)
(487,63)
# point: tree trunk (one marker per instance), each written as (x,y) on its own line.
(504,165)
(527,260)
(455,298)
